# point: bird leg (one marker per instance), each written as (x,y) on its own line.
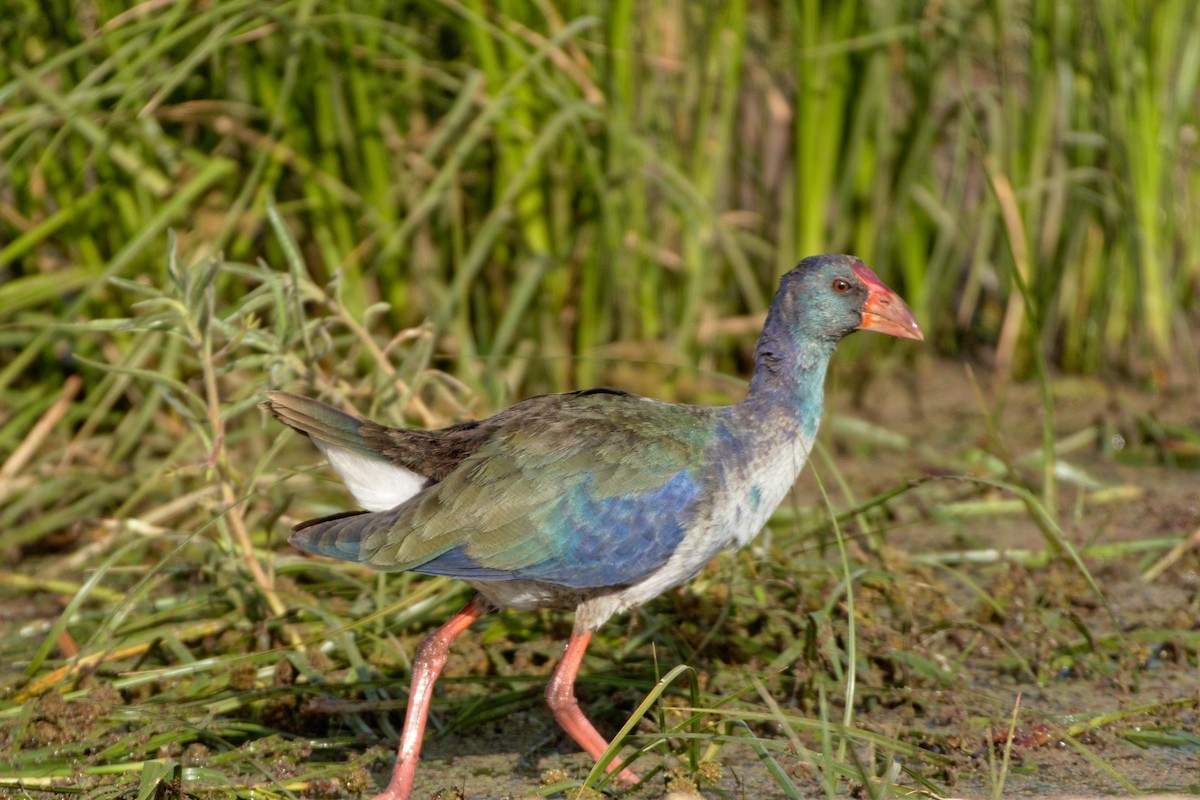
(560,696)
(431,657)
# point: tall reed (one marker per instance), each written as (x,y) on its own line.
(552,190)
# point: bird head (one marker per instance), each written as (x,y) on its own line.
(830,296)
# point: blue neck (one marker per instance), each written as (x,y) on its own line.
(787,390)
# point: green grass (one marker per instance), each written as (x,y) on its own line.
(426,211)
(204,653)
(490,169)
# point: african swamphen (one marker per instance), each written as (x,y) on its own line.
(596,500)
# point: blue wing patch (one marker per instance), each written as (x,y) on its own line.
(588,542)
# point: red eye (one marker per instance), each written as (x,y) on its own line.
(841,285)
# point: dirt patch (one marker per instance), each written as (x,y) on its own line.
(965,618)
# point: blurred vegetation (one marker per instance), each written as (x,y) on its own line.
(532,179)
(425,210)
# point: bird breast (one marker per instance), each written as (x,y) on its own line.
(745,492)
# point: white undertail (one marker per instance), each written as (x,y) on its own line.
(376,485)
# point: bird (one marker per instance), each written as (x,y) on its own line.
(594,501)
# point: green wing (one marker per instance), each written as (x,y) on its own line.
(583,490)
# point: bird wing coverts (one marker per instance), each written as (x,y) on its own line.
(581,490)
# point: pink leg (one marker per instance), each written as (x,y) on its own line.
(560,696)
(431,657)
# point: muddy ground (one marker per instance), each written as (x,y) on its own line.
(944,651)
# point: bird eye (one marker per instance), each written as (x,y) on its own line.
(841,285)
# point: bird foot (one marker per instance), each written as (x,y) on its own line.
(626,778)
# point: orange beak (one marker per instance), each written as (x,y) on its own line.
(884,311)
